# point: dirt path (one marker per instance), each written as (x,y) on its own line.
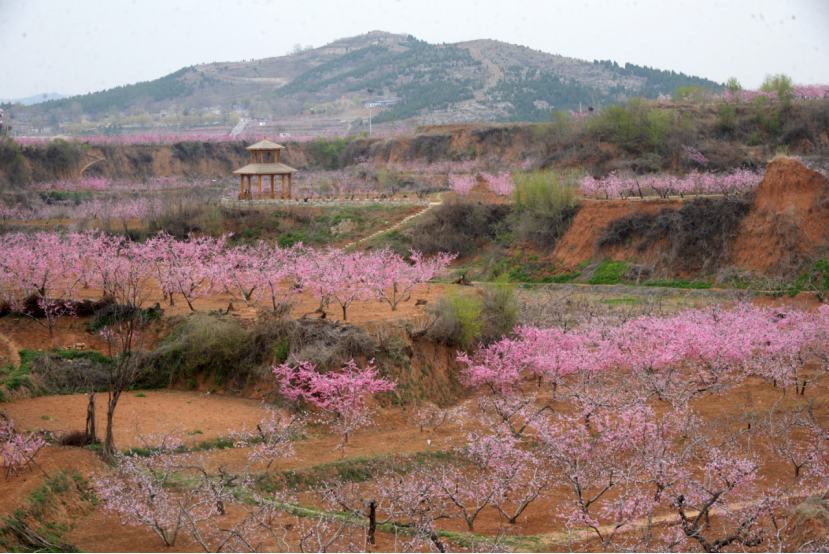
(14,350)
(395,226)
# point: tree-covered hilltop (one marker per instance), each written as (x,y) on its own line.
(660,81)
(166,88)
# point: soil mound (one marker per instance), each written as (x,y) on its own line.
(786,225)
(788,222)
(577,244)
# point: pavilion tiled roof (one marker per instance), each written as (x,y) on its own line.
(265,169)
(266,145)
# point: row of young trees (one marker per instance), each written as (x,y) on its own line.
(609,424)
(42,274)
(665,185)
(501,184)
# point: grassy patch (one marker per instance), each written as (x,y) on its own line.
(609,273)
(12,378)
(359,469)
(39,511)
(625,301)
(679,284)
(814,279)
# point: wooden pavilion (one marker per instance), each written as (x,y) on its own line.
(264,160)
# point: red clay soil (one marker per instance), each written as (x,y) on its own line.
(215,416)
(788,221)
(576,246)
(306,304)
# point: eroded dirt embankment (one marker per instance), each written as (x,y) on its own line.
(136,162)
(787,223)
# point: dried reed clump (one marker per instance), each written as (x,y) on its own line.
(810,525)
(699,234)
(218,346)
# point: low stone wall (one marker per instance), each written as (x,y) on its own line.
(323,203)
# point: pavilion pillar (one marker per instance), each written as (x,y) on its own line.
(251,156)
(277,156)
(241,185)
(271,187)
(283,186)
(259,178)
(249,178)
(290,196)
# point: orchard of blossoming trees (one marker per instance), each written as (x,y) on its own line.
(42,274)
(664,185)
(598,430)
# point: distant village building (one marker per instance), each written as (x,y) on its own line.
(380,103)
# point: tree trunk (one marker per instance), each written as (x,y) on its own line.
(109,442)
(372,522)
(91,436)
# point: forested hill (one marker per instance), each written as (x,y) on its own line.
(432,83)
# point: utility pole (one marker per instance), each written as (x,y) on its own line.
(370,92)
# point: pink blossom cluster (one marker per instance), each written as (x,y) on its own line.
(579,115)
(144,139)
(746,339)
(600,420)
(693,155)
(462,184)
(339,395)
(798,92)
(17,450)
(100,184)
(50,267)
(142,208)
(501,184)
(665,185)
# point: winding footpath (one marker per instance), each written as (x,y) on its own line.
(395,226)
(14,355)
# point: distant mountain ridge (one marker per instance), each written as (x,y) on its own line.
(34,99)
(469,81)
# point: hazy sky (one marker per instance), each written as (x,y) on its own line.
(79,46)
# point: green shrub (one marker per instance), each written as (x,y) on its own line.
(62,155)
(13,162)
(500,308)
(457,319)
(636,128)
(281,350)
(466,310)
(727,119)
(780,83)
(187,150)
(327,152)
(544,204)
(609,273)
(814,279)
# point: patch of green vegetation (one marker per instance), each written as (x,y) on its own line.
(814,279)
(561,279)
(679,284)
(141,395)
(359,469)
(14,378)
(626,300)
(609,273)
(466,309)
(327,152)
(12,162)
(281,350)
(98,323)
(40,506)
(75,197)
